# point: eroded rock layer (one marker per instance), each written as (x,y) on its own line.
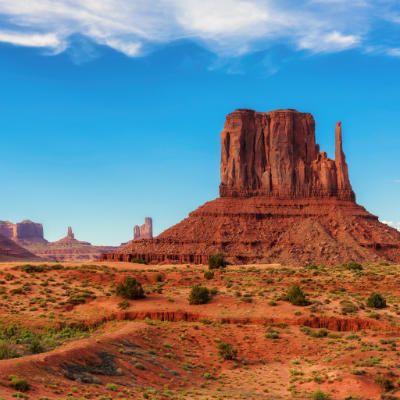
(282,200)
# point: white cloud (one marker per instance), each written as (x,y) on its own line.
(50,40)
(332,41)
(395,225)
(227,27)
(394,52)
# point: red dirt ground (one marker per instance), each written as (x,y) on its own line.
(163,348)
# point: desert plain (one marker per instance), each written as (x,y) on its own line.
(66,334)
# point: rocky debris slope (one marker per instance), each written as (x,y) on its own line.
(282,200)
(10,251)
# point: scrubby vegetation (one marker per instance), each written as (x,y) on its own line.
(130,289)
(139,261)
(19,383)
(376,300)
(296,296)
(217,261)
(227,351)
(319,395)
(209,275)
(199,295)
(35,268)
(17,341)
(354,266)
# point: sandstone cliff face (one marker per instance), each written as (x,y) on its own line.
(275,154)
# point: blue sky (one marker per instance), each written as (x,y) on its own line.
(111,112)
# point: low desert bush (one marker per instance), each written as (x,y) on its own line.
(348,307)
(217,261)
(138,261)
(123,305)
(318,395)
(7,350)
(376,300)
(354,266)
(199,295)
(385,383)
(315,333)
(19,384)
(208,275)
(296,296)
(130,288)
(226,351)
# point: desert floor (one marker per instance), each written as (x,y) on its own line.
(65,333)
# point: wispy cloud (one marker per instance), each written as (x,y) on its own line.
(226,27)
(395,225)
(50,40)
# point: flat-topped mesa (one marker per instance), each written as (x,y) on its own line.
(275,154)
(24,232)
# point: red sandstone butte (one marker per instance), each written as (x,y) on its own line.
(281,200)
(275,154)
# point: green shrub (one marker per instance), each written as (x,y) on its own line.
(272,335)
(138,261)
(140,366)
(78,298)
(130,288)
(123,305)
(19,384)
(159,278)
(348,307)
(7,350)
(296,296)
(112,386)
(354,266)
(376,300)
(226,351)
(318,395)
(199,295)
(315,333)
(30,268)
(386,384)
(208,275)
(217,261)
(36,346)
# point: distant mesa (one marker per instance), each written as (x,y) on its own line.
(144,231)
(24,232)
(26,240)
(70,249)
(281,200)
